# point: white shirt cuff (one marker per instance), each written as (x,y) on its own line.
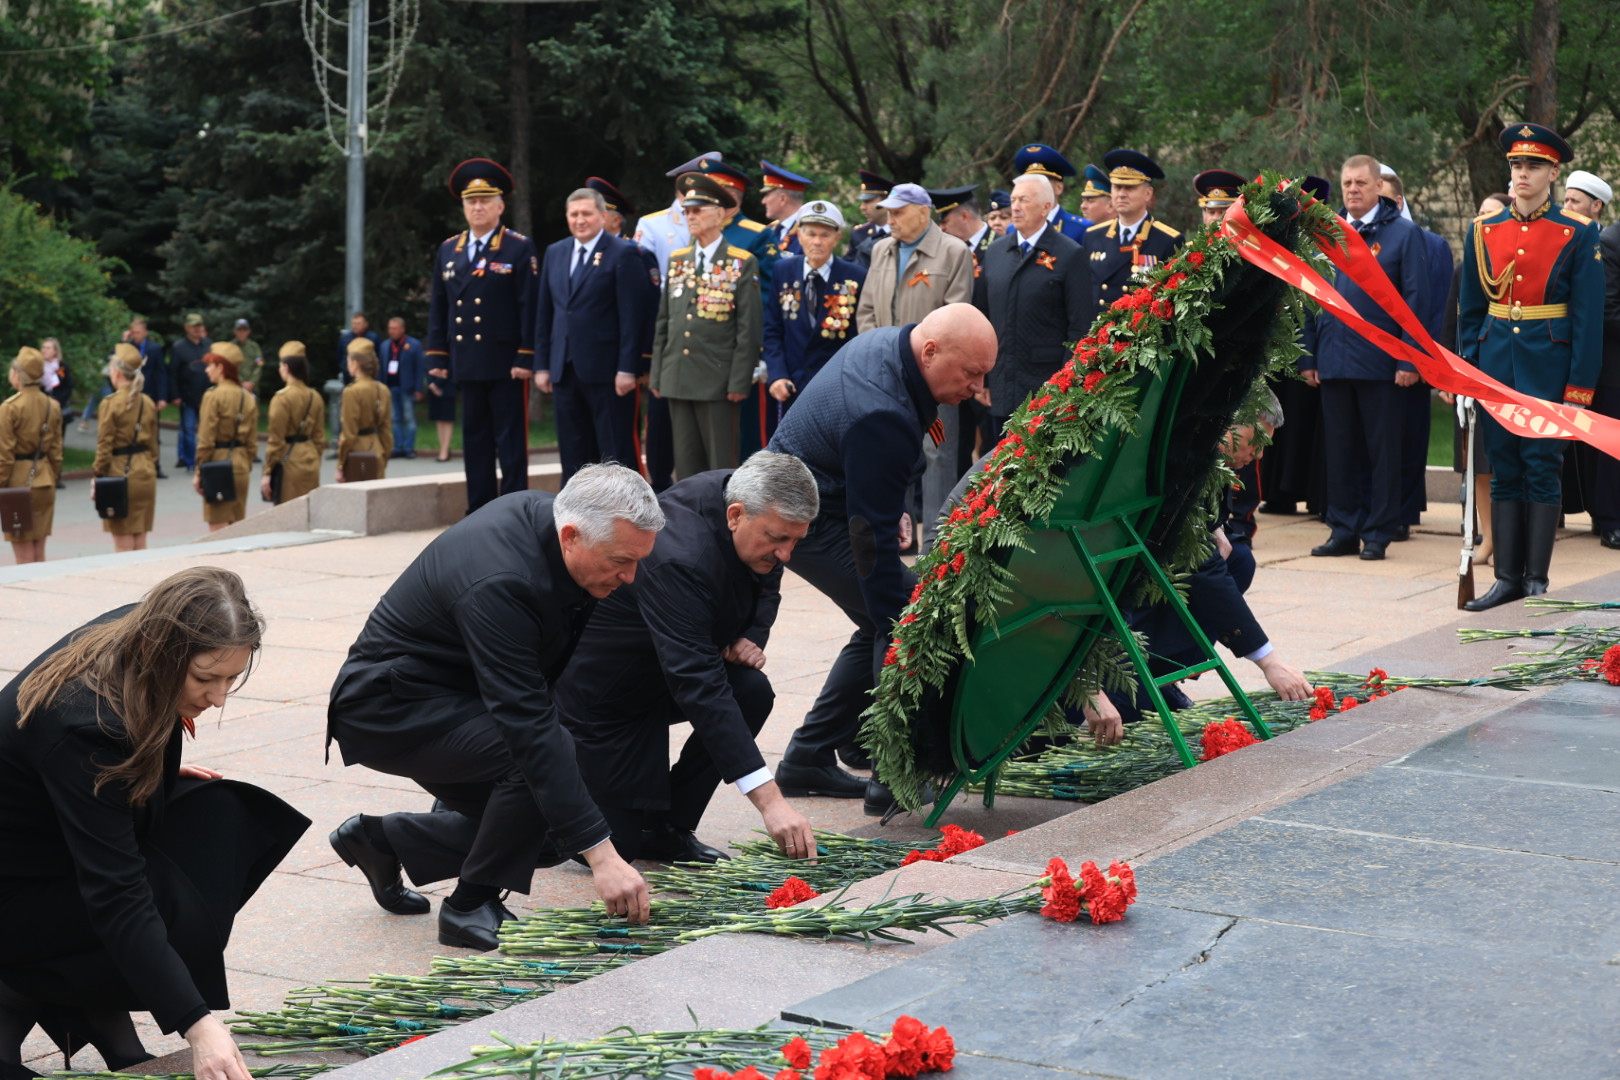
(1260,654)
(754,780)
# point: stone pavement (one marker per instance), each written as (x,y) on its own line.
(314,920)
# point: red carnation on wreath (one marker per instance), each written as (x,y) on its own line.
(1224,736)
(790,892)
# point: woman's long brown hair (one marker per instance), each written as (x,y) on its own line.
(137,664)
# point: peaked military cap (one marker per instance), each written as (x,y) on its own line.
(778,178)
(480,177)
(1131,167)
(1042,159)
(729,175)
(1319,189)
(1535,141)
(999,200)
(1217,187)
(701,189)
(1096,184)
(692,166)
(948,199)
(610,195)
(874,186)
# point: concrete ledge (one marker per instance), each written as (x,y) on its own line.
(374,507)
(215,543)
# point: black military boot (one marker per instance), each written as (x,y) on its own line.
(1508,531)
(1540,530)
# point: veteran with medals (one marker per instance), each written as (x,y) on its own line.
(1134,241)
(1530,314)
(709,332)
(810,311)
(481,331)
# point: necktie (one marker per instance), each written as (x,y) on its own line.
(477,250)
(815,298)
(700,266)
(579,259)
(1024,247)
(1127,235)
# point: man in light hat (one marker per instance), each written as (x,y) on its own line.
(481,331)
(1530,314)
(810,310)
(1134,240)
(915,271)
(1586,194)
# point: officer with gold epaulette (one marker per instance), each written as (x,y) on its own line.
(1530,314)
(1134,241)
(741,231)
(874,189)
(783,198)
(481,330)
(1042,160)
(709,331)
(1096,200)
(1217,189)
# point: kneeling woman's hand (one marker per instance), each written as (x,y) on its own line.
(214,1055)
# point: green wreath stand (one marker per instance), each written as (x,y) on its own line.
(1101,490)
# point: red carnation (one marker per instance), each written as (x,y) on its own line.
(1121,347)
(788,1074)
(797,1053)
(1136,320)
(1319,713)
(1102,333)
(1611,665)
(939,573)
(1174,280)
(915,856)
(1093,380)
(1126,876)
(1064,379)
(903,1051)
(854,1058)
(790,892)
(1107,903)
(1062,898)
(959,561)
(957,840)
(939,1051)
(1347,703)
(908,618)
(916,592)
(1376,677)
(1121,304)
(989,515)
(1224,736)
(748,1073)
(891,657)
(1196,258)
(708,1073)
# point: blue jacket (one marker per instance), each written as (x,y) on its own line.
(1441,264)
(412,373)
(481,318)
(154,368)
(1341,353)
(796,344)
(594,318)
(343,353)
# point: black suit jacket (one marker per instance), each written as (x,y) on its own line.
(658,641)
(1039,306)
(592,318)
(482,622)
(1609,242)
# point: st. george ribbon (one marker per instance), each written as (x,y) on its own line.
(1531,417)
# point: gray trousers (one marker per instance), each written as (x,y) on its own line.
(705,435)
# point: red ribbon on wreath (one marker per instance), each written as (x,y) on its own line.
(1530,417)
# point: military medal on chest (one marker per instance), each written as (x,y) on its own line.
(840,310)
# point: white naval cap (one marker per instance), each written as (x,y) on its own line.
(821,212)
(1581,180)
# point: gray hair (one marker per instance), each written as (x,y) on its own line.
(1040,182)
(779,482)
(591,194)
(599,495)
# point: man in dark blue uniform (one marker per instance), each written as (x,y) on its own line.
(481,330)
(874,189)
(810,311)
(1134,240)
(957,213)
(1096,198)
(782,198)
(1042,160)
(1530,314)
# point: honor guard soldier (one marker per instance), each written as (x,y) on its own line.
(998,210)
(1530,314)
(1096,200)
(874,189)
(481,330)
(1134,241)
(783,197)
(1042,160)
(709,332)
(1217,189)
(810,310)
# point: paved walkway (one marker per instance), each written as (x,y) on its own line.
(314,920)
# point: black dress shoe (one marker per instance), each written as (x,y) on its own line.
(381,870)
(1279,508)
(1344,545)
(161,475)
(1372,551)
(854,757)
(878,800)
(827,781)
(663,842)
(1611,539)
(476,929)
(1403,533)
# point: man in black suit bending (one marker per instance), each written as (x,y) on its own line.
(589,319)
(1036,291)
(450,684)
(686,644)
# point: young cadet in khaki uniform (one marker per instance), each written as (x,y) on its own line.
(127,447)
(31,450)
(297,429)
(368,412)
(710,330)
(227,430)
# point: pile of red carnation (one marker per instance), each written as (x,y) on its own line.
(1376,684)
(1102,896)
(911,1048)
(1607,668)
(955,841)
(790,892)
(1225,736)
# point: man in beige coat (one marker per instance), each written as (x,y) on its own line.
(917,269)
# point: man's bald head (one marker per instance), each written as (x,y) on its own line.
(955,347)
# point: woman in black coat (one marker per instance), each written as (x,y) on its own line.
(124,869)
